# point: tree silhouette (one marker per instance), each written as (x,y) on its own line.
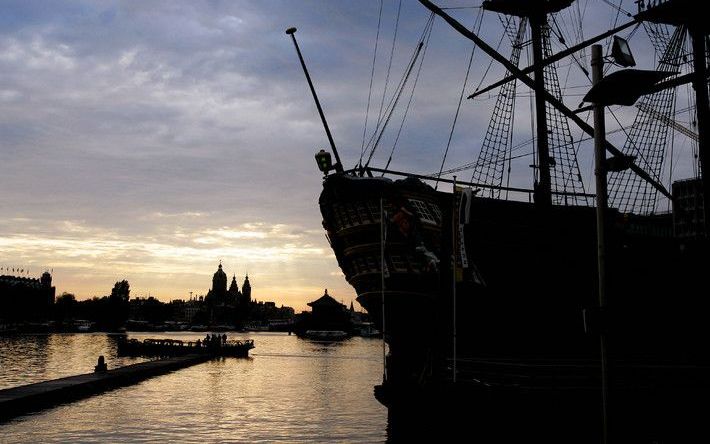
(121,291)
(118,308)
(65,307)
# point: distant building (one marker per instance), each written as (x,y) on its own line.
(267,314)
(26,299)
(220,295)
(230,306)
(223,305)
(326,314)
(186,311)
(688,210)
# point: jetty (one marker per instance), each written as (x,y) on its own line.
(175,347)
(32,397)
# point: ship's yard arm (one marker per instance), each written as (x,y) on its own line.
(555,58)
(514,70)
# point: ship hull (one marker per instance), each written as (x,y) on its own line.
(529,291)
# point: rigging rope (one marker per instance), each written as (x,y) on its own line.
(619,10)
(372,76)
(389,104)
(477,26)
(389,65)
(409,102)
(564,43)
(564,172)
(648,136)
(493,156)
(490,63)
(379,131)
(470,165)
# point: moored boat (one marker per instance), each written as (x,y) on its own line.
(325,335)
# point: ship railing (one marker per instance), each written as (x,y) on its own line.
(524,191)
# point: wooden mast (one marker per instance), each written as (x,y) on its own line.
(543,189)
(536,12)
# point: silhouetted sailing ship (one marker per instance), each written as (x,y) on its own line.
(476,293)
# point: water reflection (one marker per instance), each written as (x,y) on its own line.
(290,390)
(25,359)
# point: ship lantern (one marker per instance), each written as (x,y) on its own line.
(621,53)
(325,163)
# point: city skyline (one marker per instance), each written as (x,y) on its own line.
(191,294)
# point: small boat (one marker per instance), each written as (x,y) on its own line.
(7,329)
(325,335)
(84,326)
(368,330)
(198,328)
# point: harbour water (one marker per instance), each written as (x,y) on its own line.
(289,390)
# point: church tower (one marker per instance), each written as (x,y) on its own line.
(246,290)
(219,285)
(233,291)
(49,291)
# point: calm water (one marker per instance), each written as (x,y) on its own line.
(289,390)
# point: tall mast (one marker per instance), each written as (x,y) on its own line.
(536,12)
(543,189)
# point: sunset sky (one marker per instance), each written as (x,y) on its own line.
(148,140)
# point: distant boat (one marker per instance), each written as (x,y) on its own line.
(7,329)
(256,326)
(198,328)
(84,326)
(223,328)
(325,335)
(367,330)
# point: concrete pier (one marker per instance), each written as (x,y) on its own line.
(19,400)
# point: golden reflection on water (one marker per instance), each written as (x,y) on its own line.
(25,359)
(289,390)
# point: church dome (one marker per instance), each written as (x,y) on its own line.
(219,273)
(219,283)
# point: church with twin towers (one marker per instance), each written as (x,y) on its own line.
(220,295)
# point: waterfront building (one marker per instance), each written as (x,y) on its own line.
(26,299)
(326,314)
(187,311)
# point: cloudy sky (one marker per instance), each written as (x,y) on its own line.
(149,140)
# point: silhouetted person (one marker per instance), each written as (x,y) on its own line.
(101,365)
(199,343)
(224,338)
